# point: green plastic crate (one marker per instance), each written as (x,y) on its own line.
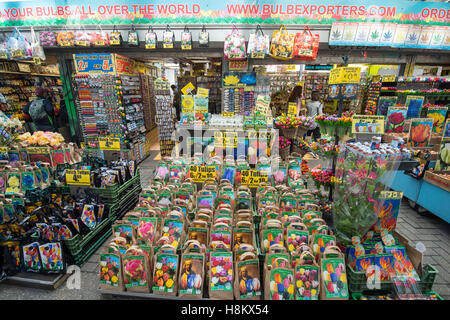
(80,257)
(112,194)
(77,242)
(357,281)
(430,293)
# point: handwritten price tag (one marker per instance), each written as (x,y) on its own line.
(201,173)
(109,143)
(391,194)
(253,178)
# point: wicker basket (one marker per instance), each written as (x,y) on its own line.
(297,149)
(289,133)
(301,131)
(284,153)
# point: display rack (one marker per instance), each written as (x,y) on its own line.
(316,81)
(164,116)
(214,84)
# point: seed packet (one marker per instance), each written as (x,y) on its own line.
(221,234)
(242,235)
(62,231)
(31,258)
(165,274)
(135,273)
(307,274)
(124,231)
(295,237)
(288,203)
(147,230)
(192,274)
(173,229)
(221,276)
(319,242)
(270,237)
(280,285)
(333,275)
(51,257)
(199,234)
(111,272)
(280,175)
(247,284)
(88,216)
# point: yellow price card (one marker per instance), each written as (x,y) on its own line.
(391,194)
(292,109)
(188,88)
(78,177)
(201,173)
(109,143)
(202,92)
(253,178)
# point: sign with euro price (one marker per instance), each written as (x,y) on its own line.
(225,139)
(292,109)
(201,173)
(78,177)
(389,78)
(391,194)
(344,75)
(202,92)
(109,143)
(188,88)
(253,178)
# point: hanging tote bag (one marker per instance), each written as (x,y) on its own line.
(258,44)
(234,45)
(282,44)
(133,37)
(115,37)
(168,38)
(150,39)
(306,45)
(186,39)
(36,48)
(203,38)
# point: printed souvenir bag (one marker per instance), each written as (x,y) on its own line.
(115,37)
(168,38)
(282,44)
(186,39)
(234,45)
(306,45)
(150,39)
(133,37)
(203,38)
(258,44)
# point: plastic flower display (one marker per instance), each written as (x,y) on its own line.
(41,138)
(284,142)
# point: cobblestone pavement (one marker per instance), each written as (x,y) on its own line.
(433,232)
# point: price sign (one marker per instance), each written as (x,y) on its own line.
(368,124)
(109,143)
(225,139)
(100,43)
(78,177)
(202,92)
(115,42)
(301,83)
(257,55)
(228,114)
(3,149)
(188,88)
(168,45)
(38,150)
(292,109)
(3,55)
(150,46)
(391,194)
(94,63)
(376,78)
(344,75)
(186,47)
(253,178)
(235,56)
(389,78)
(37,61)
(290,67)
(16,53)
(201,173)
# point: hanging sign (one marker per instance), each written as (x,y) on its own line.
(94,63)
(188,88)
(201,173)
(368,124)
(253,178)
(292,109)
(78,177)
(238,65)
(344,75)
(228,114)
(109,143)
(262,104)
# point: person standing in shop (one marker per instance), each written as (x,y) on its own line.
(176,100)
(40,111)
(315,108)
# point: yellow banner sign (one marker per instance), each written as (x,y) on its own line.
(78,177)
(109,143)
(201,173)
(202,92)
(253,178)
(188,88)
(391,194)
(368,124)
(3,149)
(225,139)
(344,75)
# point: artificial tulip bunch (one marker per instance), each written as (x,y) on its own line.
(284,142)
(287,122)
(41,138)
(323,177)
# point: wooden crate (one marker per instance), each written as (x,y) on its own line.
(436,179)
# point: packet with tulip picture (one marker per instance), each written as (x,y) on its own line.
(333,275)
(111,272)
(221,275)
(192,276)
(279,284)
(307,278)
(247,284)
(165,272)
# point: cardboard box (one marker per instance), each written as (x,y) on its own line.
(414,255)
(438,180)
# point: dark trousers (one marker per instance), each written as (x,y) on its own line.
(315,133)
